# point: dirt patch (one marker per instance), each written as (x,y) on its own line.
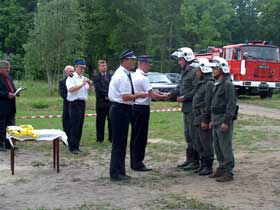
(250,109)
(84,182)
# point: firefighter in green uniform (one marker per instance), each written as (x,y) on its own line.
(201,110)
(184,93)
(223,111)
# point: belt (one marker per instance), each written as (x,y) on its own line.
(141,105)
(122,105)
(78,100)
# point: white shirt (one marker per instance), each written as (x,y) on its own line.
(141,84)
(120,85)
(82,93)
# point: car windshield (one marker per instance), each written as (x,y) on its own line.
(262,52)
(158,78)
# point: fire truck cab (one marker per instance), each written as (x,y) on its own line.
(254,67)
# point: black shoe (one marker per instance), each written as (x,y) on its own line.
(120,178)
(192,166)
(199,169)
(206,171)
(143,168)
(75,152)
(186,163)
(99,141)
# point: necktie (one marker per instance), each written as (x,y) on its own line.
(132,88)
(11,89)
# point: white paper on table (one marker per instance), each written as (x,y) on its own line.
(45,135)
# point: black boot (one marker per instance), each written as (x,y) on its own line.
(208,168)
(195,162)
(202,165)
(189,153)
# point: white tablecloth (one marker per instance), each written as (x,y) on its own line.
(45,135)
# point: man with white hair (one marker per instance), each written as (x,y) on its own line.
(68,71)
(7,103)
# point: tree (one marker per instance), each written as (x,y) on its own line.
(205,22)
(269,19)
(55,41)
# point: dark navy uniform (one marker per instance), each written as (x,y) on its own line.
(101,85)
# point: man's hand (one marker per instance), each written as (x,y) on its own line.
(224,127)
(11,96)
(210,125)
(204,126)
(142,95)
(181,99)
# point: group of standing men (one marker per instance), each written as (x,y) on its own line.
(208,105)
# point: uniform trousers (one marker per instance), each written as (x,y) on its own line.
(223,148)
(66,118)
(101,113)
(77,115)
(139,136)
(204,142)
(6,119)
(120,116)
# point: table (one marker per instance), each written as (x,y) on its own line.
(45,135)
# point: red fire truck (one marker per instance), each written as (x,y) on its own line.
(254,66)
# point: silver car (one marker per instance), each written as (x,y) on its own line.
(160,82)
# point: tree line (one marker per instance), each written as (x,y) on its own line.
(40,37)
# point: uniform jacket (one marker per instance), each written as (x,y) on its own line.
(62,88)
(223,104)
(7,106)
(186,88)
(201,103)
(101,86)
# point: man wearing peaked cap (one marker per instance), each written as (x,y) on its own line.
(81,63)
(78,88)
(127,54)
(122,95)
(141,113)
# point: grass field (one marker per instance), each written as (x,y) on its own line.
(252,135)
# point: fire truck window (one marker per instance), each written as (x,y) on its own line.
(228,54)
(237,54)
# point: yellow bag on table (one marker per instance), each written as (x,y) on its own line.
(22,130)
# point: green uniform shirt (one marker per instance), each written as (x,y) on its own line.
(223,104)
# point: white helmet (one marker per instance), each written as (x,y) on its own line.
(221,63)
(185,53)
(203,64)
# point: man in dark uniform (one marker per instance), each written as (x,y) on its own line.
(184,93)
(68,70)
(122,95)
(141,113)
(7,103)
(202,109)
(101,85)
(223,110)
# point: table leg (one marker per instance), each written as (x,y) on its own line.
(54,153)
(57,155)
(12,149)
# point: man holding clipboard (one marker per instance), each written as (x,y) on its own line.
(8,95)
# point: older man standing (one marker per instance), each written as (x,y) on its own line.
(7,103)
(69,71)
(78,87)
(122,95)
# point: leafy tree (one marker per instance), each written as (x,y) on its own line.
(55,41)
(205,22)
(244,24)
(163,32)
(269,19)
